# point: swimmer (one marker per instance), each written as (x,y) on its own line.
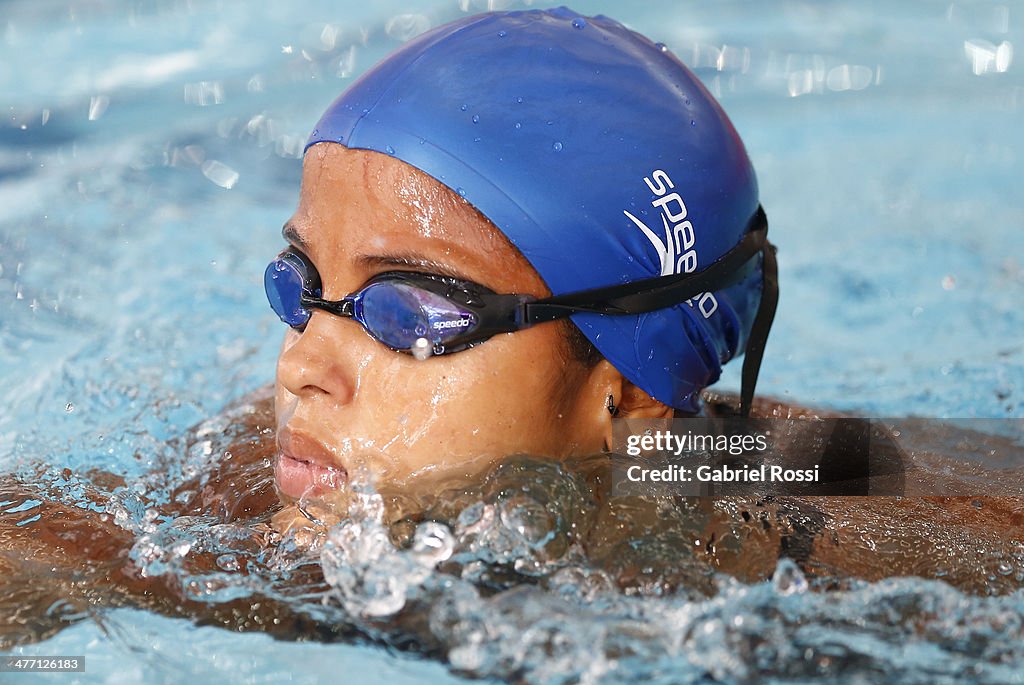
(514,230)
(489,231)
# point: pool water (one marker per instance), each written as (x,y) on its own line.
(150,152)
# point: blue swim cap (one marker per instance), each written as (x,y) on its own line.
(596,152)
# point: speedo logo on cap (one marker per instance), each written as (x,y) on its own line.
(676,251)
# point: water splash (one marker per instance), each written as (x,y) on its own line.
(523,575)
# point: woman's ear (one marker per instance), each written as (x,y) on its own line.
(610,395)
(638,404)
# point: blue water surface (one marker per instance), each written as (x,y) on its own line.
(150,151)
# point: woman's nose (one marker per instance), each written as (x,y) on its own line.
(319,360)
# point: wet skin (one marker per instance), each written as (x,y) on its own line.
(345,401)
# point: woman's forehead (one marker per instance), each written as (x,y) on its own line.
(338,178)
(389,206)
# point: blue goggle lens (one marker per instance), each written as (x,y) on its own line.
(284,281)
(399,313)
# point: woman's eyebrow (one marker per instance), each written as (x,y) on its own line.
(291,235)
(406,261)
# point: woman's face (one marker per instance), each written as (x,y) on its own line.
(345,403)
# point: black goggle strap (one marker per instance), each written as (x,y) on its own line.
(664,291)
(658,292)
(760,328)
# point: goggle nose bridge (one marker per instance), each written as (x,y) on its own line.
(345,307)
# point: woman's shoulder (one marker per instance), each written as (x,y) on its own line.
(234,449)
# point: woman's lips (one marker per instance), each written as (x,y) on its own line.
(304,467)
(296,478)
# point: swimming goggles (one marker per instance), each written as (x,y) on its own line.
(426,314)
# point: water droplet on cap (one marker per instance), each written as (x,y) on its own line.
(661,46)
(461,192)
(519,101)
(557,147)
(518,125)
(464,107)
(69,407)
(476,118)
(390,150)
(502,34)
(578,23)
